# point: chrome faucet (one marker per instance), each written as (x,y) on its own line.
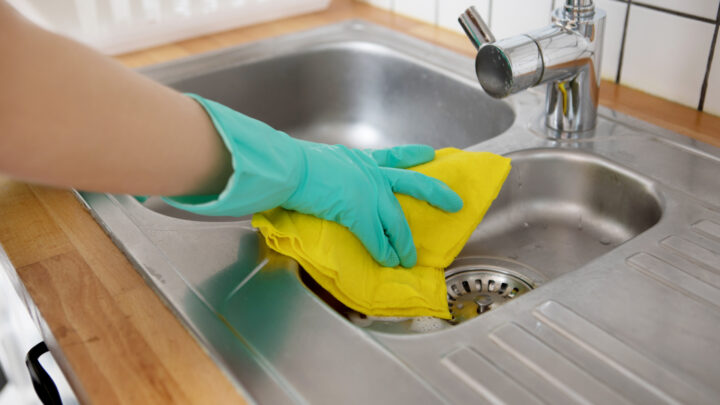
(566,54)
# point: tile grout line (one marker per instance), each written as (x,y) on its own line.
(669,11)
(711,56)
(676,13)
(618,75)
(623,45)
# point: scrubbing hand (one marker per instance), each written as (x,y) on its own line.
(355,188)
(349,186)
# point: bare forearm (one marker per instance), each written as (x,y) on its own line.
(71,117)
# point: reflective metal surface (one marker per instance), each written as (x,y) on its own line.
(566,55)
(622,242)
(559,209)
(359,94)
(476,291)
(579,6)
(475,27)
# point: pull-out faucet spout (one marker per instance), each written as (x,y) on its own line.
(566,55)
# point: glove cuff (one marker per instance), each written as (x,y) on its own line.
(267,166)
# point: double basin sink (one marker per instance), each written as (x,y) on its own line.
(594,277)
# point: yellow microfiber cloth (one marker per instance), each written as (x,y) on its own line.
(336,259)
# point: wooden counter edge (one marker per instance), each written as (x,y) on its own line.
(120,341)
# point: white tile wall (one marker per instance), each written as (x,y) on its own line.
(702,8)
(512,17)
(449,11)
(712,99)
(613,36)
(666,55)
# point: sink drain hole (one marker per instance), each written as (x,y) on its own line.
(475,285)
(473,291)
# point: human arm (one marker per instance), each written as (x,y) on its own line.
(71,117)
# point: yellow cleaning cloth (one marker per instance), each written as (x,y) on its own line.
(336,259)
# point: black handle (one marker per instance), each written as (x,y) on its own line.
(43,384)
(3,378)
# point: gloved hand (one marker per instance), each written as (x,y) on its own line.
(349,186)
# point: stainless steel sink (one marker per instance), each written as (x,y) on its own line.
(595,276)
(559,209)
(359,94)
(356,93)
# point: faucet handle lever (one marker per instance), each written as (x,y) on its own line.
(475,27)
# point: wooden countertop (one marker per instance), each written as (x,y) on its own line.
(113,336)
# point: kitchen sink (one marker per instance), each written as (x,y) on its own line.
(594,277)
(358,94)
(559,209)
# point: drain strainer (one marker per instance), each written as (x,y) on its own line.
(473,291)
(475,285)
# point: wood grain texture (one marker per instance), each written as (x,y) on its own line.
(121,343)
(663,113)
(120,340)
(28,233)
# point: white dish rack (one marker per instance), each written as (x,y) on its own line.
(119,26)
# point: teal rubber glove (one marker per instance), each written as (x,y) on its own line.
(349,186)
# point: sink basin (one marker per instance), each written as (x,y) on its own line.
(594,277)
(357,94)
(559,209)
